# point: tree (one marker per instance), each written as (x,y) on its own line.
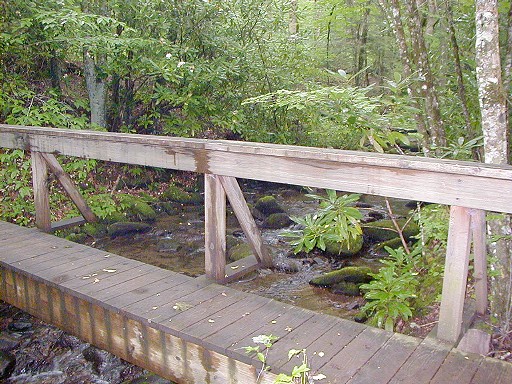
(495,131)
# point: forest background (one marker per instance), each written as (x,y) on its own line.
(424,78)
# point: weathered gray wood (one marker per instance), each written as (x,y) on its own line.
(479,232)
(455,274)
(458,367)
(68,223)
(473,185)
(245,219)
(69,187)
(41,193)
(215,228)
(475,341)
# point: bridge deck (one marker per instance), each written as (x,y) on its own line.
(192,331)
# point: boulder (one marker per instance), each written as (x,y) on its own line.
(268,205)
(138,208)
(178,195)
(384,230)
(277,220)
(239,252)
(346,288)
(356,275)
(344,248)
(168,245)
(127,228)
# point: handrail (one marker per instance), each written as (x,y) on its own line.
(461,183)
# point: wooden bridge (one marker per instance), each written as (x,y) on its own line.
(192,330)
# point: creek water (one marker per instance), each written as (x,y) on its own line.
(40,353)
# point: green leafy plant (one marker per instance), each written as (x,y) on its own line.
(267,341)
(392,289)
(336,220)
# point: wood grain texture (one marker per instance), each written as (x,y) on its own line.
(215,228)
(455,274)
(473,185)
(479,236)
(41,193)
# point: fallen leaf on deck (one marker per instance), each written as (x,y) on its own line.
(109,270)
(321,354)
(96,281)
(211,321)
(288,329)
(235,267)
(273,322)
(181,306)
(320,376)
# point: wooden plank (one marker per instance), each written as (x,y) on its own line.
(69,187)
(350,359)
(245,219)
(473,185)
(215,228)
(479,235)
(68,223)
(41,193)
(455,274)
(458,367)
(329,344)
(240,268)
(386,361)
(151,288)
(424,362)
(493,371)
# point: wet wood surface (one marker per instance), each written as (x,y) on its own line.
(192,330)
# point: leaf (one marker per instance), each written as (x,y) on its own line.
(181,306)
(320,376)
(294,352)
(261,357)
(109,270)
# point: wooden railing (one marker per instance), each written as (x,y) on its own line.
(469,188)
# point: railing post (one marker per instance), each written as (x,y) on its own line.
(455,274)
(479,232)
(215,228)
(41,193)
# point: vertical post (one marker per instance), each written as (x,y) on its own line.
(245,219)
(215,228)
(41,193)
(455,274)
(479,230)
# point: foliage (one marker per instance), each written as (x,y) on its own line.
(267,341)
(336,220)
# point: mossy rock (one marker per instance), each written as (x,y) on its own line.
(356,275)
(94,229)
(268,205)
(127,228)
(239,252)
(277,220)
(76,237)
(346,288)
(137,207)
(393,243)
(344,248)
(178,195)
(384,230)
(114,217)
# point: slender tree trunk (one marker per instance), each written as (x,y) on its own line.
(361,54)
(55,72)
(493,109)
(461,88)
(420,52)
(393,14)
(507,81)
(96,89)
(293,25)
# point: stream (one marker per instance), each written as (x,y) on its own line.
(34,352)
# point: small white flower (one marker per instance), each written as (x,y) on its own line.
(181,64)
(168,55)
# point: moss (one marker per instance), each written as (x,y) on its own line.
(239,252)
(127,228)
(178,195)
(393,243)
(346,288)
(384,230)
(268,205)
(356,275)
(94,229)
(344,248)
(277,220)
(137,207)
(114,218)
(76,237)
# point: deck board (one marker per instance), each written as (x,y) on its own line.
(192,330)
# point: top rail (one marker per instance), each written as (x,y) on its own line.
(467,184)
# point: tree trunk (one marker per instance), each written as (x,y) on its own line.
(293,25)
(96,89)
(393,14)
(461,88)
(494,126)
(420,53)
(361,56)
